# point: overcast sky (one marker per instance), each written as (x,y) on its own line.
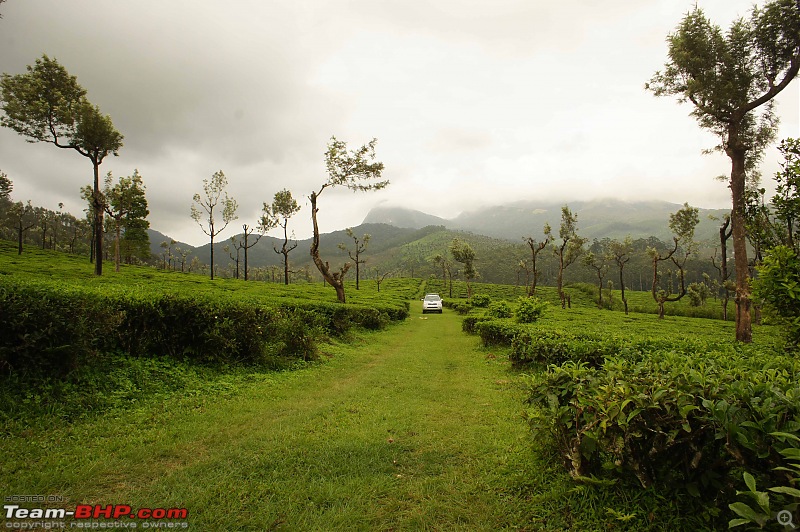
(473,102)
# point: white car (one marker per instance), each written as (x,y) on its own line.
(432,303)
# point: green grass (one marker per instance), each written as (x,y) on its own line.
(412,428)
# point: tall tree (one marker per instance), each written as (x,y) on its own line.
(283,207)
(727,77)
(570,248)
(463,253)
(48,105)
(360,247)
(620,253)
(358,171)
(682,224)
(23,218)
(215,197)
(126,204)
(536,248)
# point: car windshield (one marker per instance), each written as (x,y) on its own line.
(432,297)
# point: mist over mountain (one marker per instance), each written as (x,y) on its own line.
(596,219)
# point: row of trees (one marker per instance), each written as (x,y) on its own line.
(123,201)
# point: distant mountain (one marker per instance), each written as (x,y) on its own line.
(596,219)
(402,217)
(156,238)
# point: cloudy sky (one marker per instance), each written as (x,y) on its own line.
(473,102)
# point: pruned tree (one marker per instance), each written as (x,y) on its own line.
(620,253)
(446,264)
(48,105)
(682,223)
(215,198)
(247,242)
(727,77)
(355,253)
(380,277)
(356,170)
(599,264)
(23,218)
(126,204)
(570,248)
(536,248)
(237,244)
(283,207)
(462,252)
(724,281)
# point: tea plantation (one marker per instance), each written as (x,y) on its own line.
(264,406)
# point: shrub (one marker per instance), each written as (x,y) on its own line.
(496,332)
(669,419)
(500,309)
(530,309)
(480,300)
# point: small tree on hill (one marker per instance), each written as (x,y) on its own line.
(536,248)
(620,253)
(126,204)
(214,198)
(283,207)
(358,171)
(355,254)
(568,250)
(682,224)
(600,266)
(463,253)
(23,218)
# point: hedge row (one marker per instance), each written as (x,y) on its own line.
(676,413)
(671,419)
(51,328)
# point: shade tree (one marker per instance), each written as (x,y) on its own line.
(215,202)
(46,104)
(682,223)
(568,249)
(536,248)
(359,246)
(463,253)
(126,204)
(356,170)
(277,214)
(727,77)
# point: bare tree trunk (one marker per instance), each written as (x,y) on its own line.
(336,280)
(116,248)
(622,287)
(98,220)
(744,330)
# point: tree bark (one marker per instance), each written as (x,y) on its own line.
(98,219)
(336,280)
(737,152)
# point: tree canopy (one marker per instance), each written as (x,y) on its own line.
(727,77)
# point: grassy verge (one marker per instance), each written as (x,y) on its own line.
(413,428)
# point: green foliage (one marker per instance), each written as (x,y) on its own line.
(778,284)
(480,300)
(499,309)
(530,309)
(678,420)
(53,327)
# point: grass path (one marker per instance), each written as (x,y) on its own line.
(414,428)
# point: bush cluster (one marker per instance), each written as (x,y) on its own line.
(670,419)
(50,329)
